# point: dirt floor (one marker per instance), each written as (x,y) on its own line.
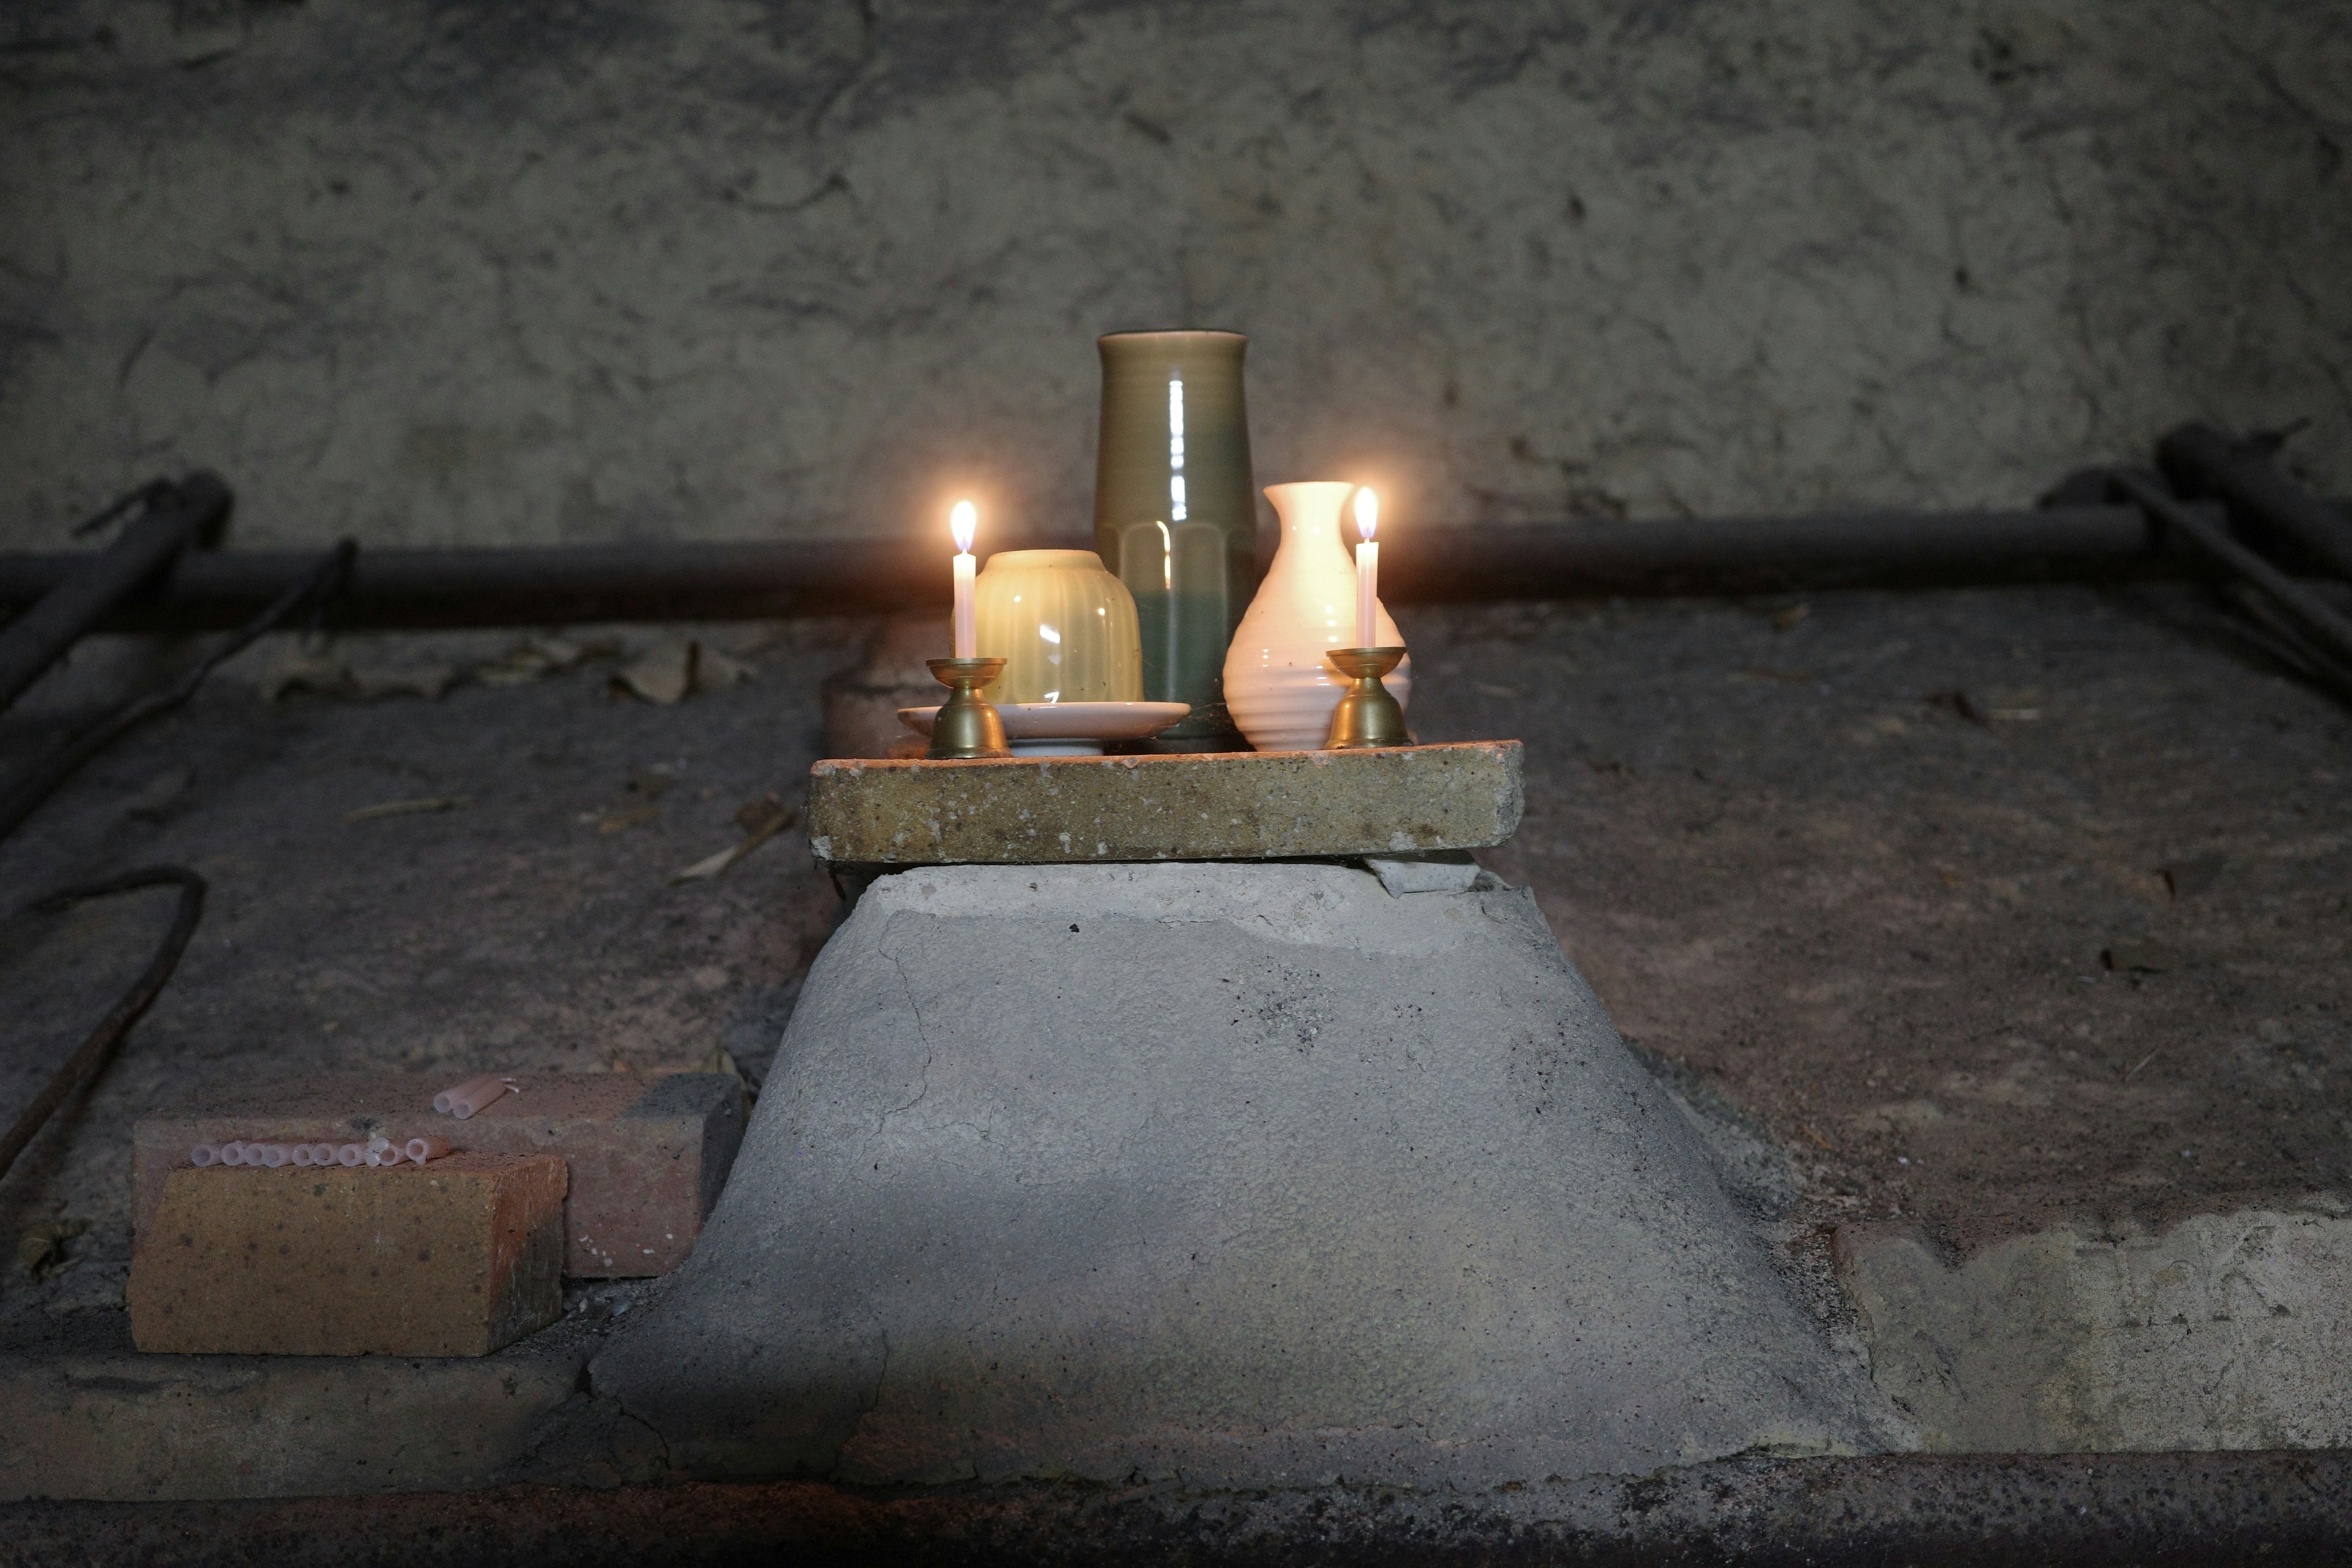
(1994,908)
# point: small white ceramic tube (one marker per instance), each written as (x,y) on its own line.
(350,1154)
(204,1154)
(476,1097)
(473,1096)
(324,1153)
(232,1152)
(301,1154)
(273,1155)
(423,1150)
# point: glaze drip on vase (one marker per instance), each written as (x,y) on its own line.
(1280,686)
(1175,519)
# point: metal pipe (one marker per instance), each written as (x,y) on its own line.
(2328,632)
(2265,503)
(21,796)
(1716,555)
(580,584)
(76,599)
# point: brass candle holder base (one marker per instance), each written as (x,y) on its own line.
(967,724)
(1366,714)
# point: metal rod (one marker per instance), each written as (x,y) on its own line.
(573,584)
(76,600)
(1714,555)
(2317,622)
(2202,461)
(98,1049)
(23,797)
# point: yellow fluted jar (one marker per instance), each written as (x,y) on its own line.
(1063,625)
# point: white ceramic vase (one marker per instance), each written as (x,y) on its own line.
(1279,688)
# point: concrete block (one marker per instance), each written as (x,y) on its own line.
(1249,1175)
(647,1153)
(456,1257)
(1245,805)
(2220,1331)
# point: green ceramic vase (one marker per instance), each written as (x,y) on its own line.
(1175,513)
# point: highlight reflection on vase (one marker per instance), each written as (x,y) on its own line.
(1173,510)
(1279,686)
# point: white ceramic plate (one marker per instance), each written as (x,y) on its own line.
(1068,729)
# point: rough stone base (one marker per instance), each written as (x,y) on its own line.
(1242,1174)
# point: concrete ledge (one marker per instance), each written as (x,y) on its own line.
(82,1415)
(1242,806)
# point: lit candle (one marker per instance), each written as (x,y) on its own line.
(961,523)
(1368,569)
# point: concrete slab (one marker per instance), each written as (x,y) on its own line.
(2221,1331)
(1245,1174)
(1247,805)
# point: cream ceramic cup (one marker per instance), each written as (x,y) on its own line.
(1063,625)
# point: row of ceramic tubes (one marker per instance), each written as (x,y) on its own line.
(379,1152)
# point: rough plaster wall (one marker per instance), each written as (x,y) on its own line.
(442,272)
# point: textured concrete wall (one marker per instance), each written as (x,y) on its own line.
(609,268)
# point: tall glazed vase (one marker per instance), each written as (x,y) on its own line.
(1175,513)
(1279,686)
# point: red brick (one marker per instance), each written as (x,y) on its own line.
(456,1257)
(647,1153)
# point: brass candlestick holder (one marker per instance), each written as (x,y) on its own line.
(967,724)
(1366,714)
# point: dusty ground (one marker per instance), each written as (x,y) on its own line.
(1791,859)
(1853,867)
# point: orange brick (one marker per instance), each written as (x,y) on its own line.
(647,1153)
(457,1258)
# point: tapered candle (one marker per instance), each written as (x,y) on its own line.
(1368,569)
(961,523)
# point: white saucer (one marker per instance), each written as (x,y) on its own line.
(1068,729)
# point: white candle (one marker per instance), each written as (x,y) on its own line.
(1368,569)
(961,523)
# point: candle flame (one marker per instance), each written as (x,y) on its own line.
(1367,513)
(961,523)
